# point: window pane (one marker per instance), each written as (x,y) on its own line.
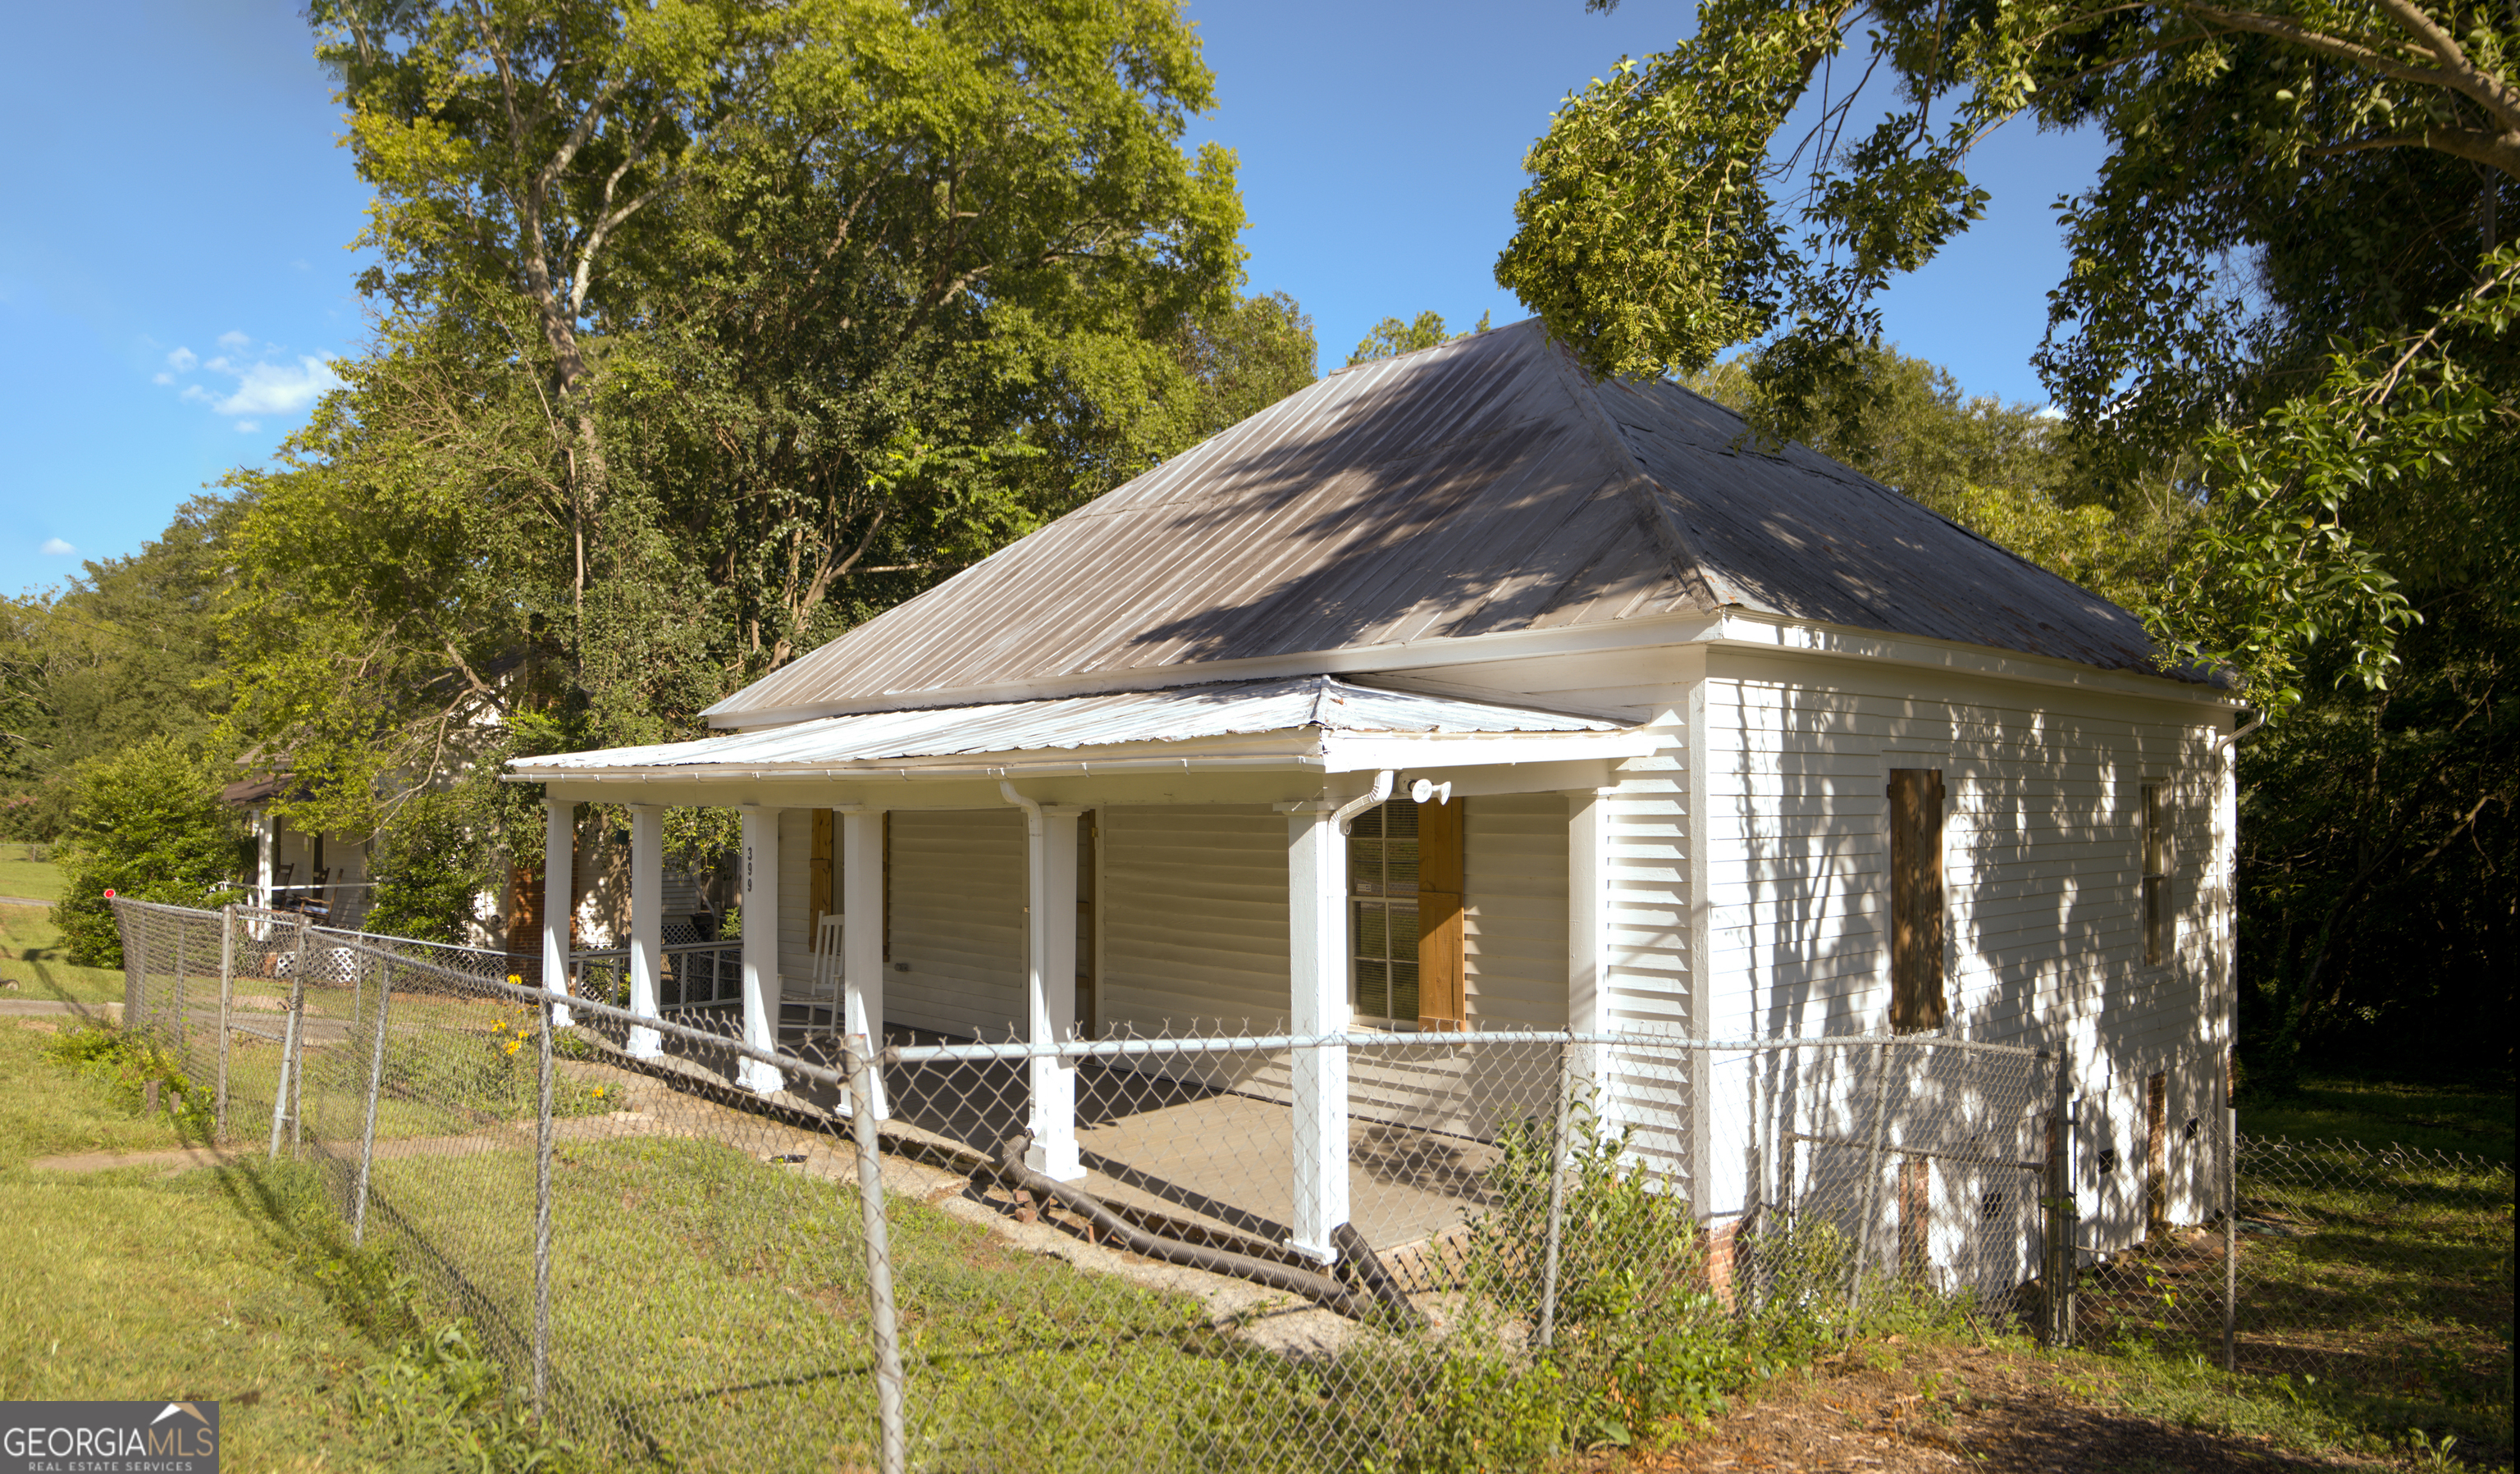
(1373,931)
(1403,991)
(1373,982)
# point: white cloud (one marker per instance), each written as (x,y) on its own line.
(236,343)
(276,389)
(163,378)
(248,426)
(55,548)
(2049,412)
(181,360)
(198,395)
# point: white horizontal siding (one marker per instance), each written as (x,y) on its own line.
(958,887)
(1194,917)
(1513,902)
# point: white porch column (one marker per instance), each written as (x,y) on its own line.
(1587,936)
(559,898)
(647,922)
(266,835)
(760,949)
(862,935)
(1317,983)
(1050,981)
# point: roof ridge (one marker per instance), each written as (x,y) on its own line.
(1642,490)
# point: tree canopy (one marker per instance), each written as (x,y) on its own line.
(707,332)
(2291,245)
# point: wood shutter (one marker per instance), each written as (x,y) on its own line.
(818,872)
(1915,898)
(1442,1003)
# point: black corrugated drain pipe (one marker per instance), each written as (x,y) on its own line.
(1321,1289)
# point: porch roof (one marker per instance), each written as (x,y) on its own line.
(1315,722)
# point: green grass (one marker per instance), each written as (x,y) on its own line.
(31,955)
(206,1285)
(2376,1287)
(2476,1120)
(36,880)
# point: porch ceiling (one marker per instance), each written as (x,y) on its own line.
(1314,722)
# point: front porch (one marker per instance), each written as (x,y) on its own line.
(1109,867)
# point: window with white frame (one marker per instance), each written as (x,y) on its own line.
(1383,914)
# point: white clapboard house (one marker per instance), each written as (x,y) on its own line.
(1716,726)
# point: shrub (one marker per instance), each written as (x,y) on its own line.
(429,868)
(126,1062)
(147,823)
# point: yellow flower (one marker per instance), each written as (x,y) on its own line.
(513,1045)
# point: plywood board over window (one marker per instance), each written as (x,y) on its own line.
(1916,1002)
(1442,1001)
(2156,874)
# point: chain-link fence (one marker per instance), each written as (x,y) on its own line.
(1188,1251)
(2375,1268)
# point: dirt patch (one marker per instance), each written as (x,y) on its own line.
(1896,1406)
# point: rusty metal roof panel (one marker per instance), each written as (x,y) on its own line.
(1225,708)
(1482,486)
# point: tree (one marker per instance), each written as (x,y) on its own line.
(1392,337)
(2286,180)
(705,336)
(147,823)
(125,652)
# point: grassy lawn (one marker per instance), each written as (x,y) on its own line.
(35,879)
(2376,1306)
(2473,1119)
(202,1285)
(30,946)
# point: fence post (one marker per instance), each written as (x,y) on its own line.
(297,1042)
(543,1221)
(227,986)
(864,1086)
(376,1088)
(1556,1198)
(2231,1230)
(2058,1272)
(288,1064)
(175,1036)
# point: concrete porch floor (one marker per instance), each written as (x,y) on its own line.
(1189,1144)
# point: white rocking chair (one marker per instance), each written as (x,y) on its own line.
(822,995)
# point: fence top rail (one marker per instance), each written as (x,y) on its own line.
(364,944)
(598,953)
(1079,1049)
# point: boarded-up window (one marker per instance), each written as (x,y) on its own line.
(1441,1004)
(1915,898)
(2156,1153)
(2156,874)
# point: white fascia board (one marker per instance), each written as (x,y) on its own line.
(1370,752)
(1641,632)
(1745,629)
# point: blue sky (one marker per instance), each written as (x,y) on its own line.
(173,271)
